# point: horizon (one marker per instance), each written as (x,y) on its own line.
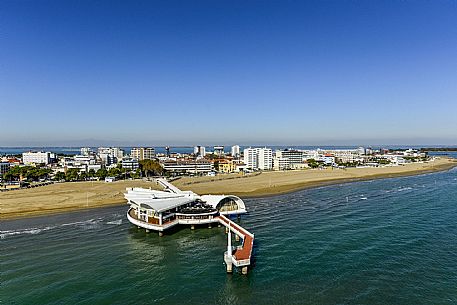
(180,73)
(227,146)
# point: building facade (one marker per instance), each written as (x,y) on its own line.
(218,150)
(226,166)
(4,167)
(85,151)
(200,151)
(235,151)
(36,157)
(195,167)
(258,158)
(142,153)
(130,164)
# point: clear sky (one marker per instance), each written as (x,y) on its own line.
(247,72)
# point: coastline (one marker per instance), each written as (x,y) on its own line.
(74,196)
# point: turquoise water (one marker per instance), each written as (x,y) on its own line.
(391,241)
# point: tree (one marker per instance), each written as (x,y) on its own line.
(211,156)
(136,174)
(101,173)
(151,166)
(313,163)
(91,173)
(72,174)
(114,172)
(59,176)
(83,176)
(28,172)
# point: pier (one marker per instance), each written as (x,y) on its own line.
(241,255)
(161,210)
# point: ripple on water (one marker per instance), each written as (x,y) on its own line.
(317,246)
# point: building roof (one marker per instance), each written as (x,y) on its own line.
(162,204)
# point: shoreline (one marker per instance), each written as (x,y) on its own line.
(317,184)
(71,196)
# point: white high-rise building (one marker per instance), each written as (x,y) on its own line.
(258,158)
(110,155)
(117,152)
(235,152)
(218,150)
(36,157)
(85,151)
(200,151)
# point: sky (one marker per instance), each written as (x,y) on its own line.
(228,72)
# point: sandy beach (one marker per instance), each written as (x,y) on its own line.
(69,196)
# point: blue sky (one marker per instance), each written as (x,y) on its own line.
(246,72)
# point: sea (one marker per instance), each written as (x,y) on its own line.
(388,241)
(177,149)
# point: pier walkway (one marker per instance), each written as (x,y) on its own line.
(239,256)
(242,255)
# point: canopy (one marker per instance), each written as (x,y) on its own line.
(160,205)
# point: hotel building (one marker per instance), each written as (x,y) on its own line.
(188,166)
(200,151)
(258,158)
(235,151)
(85,151)
(287,159)
(218,150)
(142,153)
(110,155)
(130,164)
(37,157)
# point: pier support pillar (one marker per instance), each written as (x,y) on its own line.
(160,234)
(218,225)
(229,268)
(244,270)
(237,238)
(138,227)
(147,231)
(192,227)
(226,230)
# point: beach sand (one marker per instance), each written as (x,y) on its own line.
(68,196)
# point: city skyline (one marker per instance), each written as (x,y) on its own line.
(260,73)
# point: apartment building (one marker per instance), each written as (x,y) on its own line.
(258,158)
(142,153)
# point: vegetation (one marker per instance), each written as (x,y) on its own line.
(101,173)
(216,165)
(415,159)
(72,174)
(151,167)
(29,173)
(211,156)
(313,163)
(348,164)
(383,161)
(59,176)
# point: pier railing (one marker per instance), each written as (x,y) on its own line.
(243,253)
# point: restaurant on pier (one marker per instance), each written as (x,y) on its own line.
(159,211)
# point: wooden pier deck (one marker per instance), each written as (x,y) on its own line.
(242,255)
